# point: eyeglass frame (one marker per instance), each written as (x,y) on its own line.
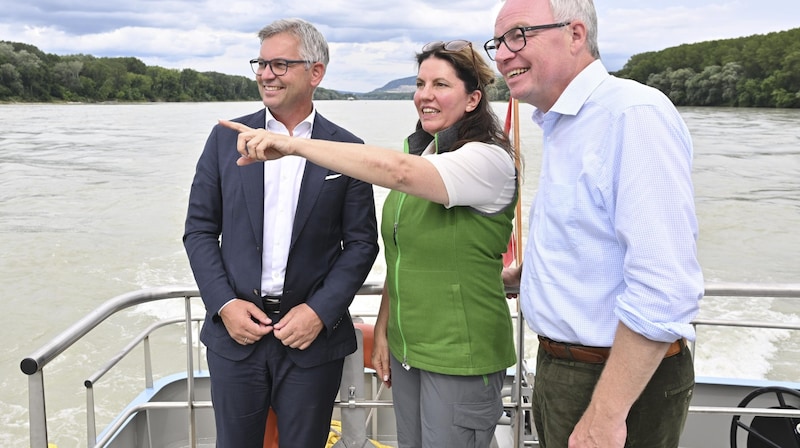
(433,46)
(258,62)
(493,44)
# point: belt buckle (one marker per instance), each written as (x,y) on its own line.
(272,304)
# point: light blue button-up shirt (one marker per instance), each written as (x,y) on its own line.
(613,231)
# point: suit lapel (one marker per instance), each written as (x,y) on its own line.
(313,179)
(253,184)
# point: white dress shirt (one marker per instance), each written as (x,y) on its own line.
(613,232)
(282,179)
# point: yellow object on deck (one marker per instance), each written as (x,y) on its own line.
(336,434)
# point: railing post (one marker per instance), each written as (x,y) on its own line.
(190,372)
(148,364)
(36,410)
(351,390)
(91,422)
(516,387)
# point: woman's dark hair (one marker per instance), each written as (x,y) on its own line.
(481,124)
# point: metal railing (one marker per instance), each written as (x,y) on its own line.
(744,290)
(34,364)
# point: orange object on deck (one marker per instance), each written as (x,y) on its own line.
(271,433)
(368,330)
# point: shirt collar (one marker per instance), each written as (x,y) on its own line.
(303,128)
(578,91)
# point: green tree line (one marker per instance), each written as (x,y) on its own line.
(754,71)
(28,74)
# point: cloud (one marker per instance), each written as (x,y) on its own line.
(370,45)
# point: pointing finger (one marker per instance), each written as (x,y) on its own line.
(241,143)
(244,161)
(239,127)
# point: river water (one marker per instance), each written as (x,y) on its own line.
(93,197)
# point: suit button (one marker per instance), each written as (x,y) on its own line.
(256,293)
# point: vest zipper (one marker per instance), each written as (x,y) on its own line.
(400,201)
(397,262)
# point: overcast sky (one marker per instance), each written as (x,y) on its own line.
(372,42)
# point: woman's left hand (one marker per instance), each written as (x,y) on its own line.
(380,356)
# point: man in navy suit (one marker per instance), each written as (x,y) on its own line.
(278,250)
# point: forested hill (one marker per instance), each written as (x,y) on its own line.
(29,75)
(754,71)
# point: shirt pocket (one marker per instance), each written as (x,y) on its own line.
(557,223)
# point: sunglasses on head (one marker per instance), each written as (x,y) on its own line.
(454,46)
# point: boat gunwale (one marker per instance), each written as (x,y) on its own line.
(34,364)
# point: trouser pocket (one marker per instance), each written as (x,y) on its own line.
(475,422)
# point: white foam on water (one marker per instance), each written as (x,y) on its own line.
(13,420)
(171,269)
(734,352)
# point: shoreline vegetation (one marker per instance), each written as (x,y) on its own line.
(761,70)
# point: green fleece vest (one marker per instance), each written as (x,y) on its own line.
(449,313)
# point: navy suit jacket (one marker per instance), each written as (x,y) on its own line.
(334,242)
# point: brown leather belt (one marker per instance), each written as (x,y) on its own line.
(591,355)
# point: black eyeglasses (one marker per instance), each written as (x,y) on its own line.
(455,46)
(514,39)
(279,67)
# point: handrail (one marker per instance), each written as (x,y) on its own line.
(79,329)
(34,364)
(40,358)
(746,324)
(777,290)
(117,425)
(144,336)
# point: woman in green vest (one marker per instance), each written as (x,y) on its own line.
(443,336)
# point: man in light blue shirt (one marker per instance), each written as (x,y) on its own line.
(610,280)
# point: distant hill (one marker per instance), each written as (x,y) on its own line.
(402,85)
(398,89)
(404,88)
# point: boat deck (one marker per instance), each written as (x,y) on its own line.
(175,410)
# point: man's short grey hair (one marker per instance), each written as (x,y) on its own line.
(313,46)
(583,10)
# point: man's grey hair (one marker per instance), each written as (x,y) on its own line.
(583,10)
(313,46)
